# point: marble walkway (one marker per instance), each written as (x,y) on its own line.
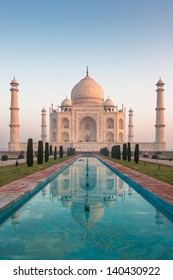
(20,190)
(161,189)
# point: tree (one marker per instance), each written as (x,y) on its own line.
(129,152)
(136,153)
(124,151)
(61,151)
(106,152)
(29,154)
(46,152)
(118,152)
(40,152)
(113,152)
(55,153)
(50,151)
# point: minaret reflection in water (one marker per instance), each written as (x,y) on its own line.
(86,205)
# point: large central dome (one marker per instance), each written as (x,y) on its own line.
(87,91)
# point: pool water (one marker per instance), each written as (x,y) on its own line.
(87,212)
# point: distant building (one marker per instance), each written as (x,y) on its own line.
(88,122)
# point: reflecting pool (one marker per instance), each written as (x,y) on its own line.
(87,212)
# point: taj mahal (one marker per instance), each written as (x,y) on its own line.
(87,121)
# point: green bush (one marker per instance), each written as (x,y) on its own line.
(61,152)
(136,153)
(113,151)
(40,152)
(46,152)
(50,150)
(124,151)
(104,151)
(4,158)
(68,152)
(29,153)
(155,157)
(145,156)
(118,152)
(21,156)
(55,153)
(129,152)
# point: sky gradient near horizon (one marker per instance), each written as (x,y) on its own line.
(47,44)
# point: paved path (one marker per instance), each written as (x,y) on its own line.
(11,162)
(161,189)
(159,161)
(17,190)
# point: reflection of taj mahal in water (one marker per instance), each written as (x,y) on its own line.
(102,188)
(87,179)
(87,121)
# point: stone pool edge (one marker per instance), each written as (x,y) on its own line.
(25,188)
(144,184)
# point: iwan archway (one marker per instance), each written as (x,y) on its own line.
(87,130)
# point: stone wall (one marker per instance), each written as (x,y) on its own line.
(93,146)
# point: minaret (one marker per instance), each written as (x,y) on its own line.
(43,125)
(14,144)
(160,122)
(131,126)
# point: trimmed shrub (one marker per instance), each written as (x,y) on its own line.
(155,157)
(46,152)
(113,151)
(40,152)
(104,151)
(136,153)
(4,157)
(61,152)
(145,156)
(129,152)
(124,151)
(55,153)
(68,152)
(29,153)
(50,150)
(118,152)
(21,156)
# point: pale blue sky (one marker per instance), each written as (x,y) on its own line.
(47,44)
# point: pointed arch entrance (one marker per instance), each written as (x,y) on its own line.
(87,130)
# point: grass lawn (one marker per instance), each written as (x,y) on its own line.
(12,173)
(158,171)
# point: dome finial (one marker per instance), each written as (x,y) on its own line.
(87,71)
